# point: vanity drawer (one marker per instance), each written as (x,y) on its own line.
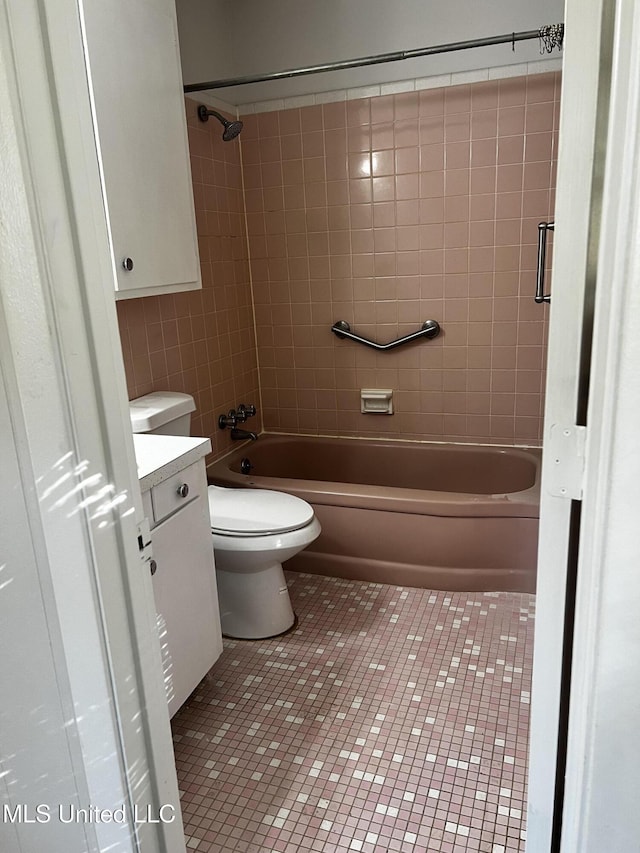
(175,492)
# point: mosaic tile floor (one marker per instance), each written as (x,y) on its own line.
(392,719)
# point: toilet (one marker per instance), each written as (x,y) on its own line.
(253,532)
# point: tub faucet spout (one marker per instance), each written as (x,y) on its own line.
(243,434)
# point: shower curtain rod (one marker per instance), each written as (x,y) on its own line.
(550,36)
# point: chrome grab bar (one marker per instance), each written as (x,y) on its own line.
(543,230)
(429,329)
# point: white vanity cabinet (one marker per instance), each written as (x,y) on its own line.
(134,63)
(183,571)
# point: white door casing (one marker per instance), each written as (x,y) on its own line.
(601,790)
(63,371)
(582,133)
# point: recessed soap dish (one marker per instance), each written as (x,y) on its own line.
(376,401)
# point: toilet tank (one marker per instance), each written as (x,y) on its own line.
(162,413)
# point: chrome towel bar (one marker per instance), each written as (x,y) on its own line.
(543,230)
(429,329)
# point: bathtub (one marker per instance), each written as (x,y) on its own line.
(436,516)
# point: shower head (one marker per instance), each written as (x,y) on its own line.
(231,128)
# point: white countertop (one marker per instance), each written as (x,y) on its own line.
(161,456)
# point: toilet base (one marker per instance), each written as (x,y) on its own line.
(289,630)
(254,605)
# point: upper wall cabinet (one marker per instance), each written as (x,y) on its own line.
(132,54)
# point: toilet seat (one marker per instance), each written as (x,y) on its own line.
(256,512)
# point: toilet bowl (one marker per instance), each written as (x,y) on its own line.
(253,532)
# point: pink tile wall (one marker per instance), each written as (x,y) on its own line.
(202,342)
(389,211)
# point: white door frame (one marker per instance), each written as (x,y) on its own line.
(66,398)
(582,124)
(602,777)
(597,238)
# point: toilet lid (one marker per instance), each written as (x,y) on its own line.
(256,511)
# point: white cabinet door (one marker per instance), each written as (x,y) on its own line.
(133,58)
(184,588)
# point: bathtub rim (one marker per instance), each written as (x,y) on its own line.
(523,504)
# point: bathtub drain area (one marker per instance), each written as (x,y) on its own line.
(392,718)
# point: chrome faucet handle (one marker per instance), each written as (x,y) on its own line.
(245,412)
(228,421)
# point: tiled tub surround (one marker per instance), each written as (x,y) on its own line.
(391,719)
(444,226)
(388,211)
(434,516)
(202,343)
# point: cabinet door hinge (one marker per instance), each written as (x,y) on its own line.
(565,471)
(144,541)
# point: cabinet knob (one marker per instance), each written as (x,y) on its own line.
(183,490)
(127,263)
(153,567)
